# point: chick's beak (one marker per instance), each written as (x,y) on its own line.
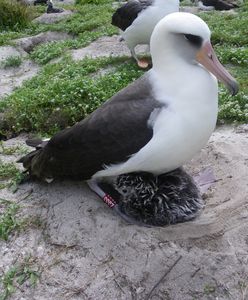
(207,57)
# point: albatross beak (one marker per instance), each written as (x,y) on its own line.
(207,57)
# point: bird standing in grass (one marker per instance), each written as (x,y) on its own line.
(51,9)
(137,18)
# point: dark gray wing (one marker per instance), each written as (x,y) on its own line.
(125,15)
(109,135)
(219,4)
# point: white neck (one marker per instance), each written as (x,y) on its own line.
(181,78)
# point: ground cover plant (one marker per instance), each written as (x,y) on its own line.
(67,91)
(14,15)
(8,220)
(10,175)
(88,22)
(17,275)
(12,61)
(73,93)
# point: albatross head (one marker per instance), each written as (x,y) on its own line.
(184,37)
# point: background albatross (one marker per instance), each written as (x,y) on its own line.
(154,125)
(137,19)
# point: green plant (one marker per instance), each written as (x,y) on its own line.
(209,289)
(87,24)
(66,92)
(228,29)
(7,170)
(231,54)
(8,220)
(14,14)
(12,61)
(19,149)
(17,275)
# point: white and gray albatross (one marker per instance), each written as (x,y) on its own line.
(137,18)
(137,141)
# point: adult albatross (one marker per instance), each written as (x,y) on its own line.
(154,125)
(137,19)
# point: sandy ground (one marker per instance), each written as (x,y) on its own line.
(84,250)
(11,78)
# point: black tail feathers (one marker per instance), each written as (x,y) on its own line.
(27,159)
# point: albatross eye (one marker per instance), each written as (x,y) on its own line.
(194,39)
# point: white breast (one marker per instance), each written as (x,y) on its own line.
(180,130)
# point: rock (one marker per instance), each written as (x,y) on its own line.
(12,78)
(242,128)
(28,43)
(52,17)
(105,46)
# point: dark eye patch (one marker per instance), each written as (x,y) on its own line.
(194,39)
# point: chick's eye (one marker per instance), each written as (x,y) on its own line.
(194,39)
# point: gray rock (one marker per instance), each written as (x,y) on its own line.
(52,17)
(12,78)
(28,43)
(105,46)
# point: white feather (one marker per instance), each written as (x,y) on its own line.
(139,32)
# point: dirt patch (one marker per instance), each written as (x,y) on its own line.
(86,252)
(12,77)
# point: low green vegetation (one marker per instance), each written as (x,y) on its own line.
(12,61)
(88,23)
(7,170)
(228,28)
(11,221)
(67,91)
(209,289)
(19,149)
(8,219)
(14,15)
(10,176)
(231,44)
(17,275)
(230,54)
(70,94)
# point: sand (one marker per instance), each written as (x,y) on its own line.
(84,251)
